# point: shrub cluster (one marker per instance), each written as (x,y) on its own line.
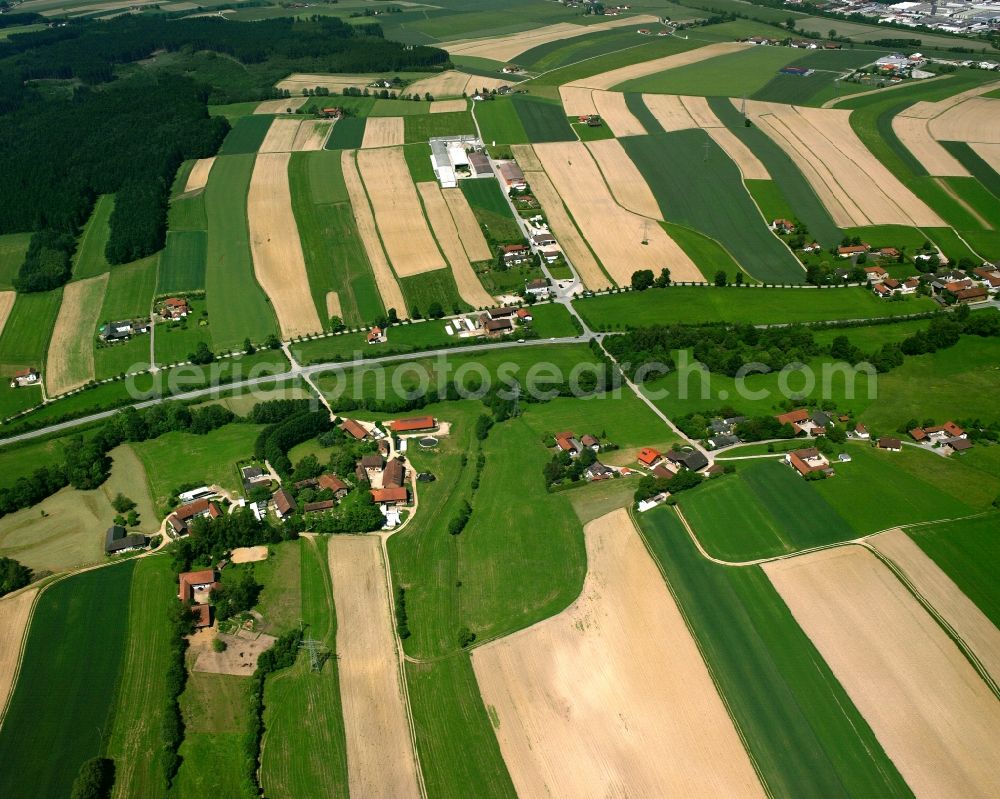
(276,439)
(402,621)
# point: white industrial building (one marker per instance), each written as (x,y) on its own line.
(450,158)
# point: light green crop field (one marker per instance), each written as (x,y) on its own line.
(491,210)
(659,47)
(134,741)
(500,123)
(436,286)
(347,134)
(236,303)
(59,710)
(13,248)
(422,127)
(89,260)
(187,213)
(182,267)
(129,296)
(543,120)
(25,337)
(800,727)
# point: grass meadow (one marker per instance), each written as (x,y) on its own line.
(182,265)
(347,134)
(13,248)
(422,127)
(25,337)
(500,123)
(60,710)
(129,295)
(543,120)
(89,260)
(800,727)
(236,303)
(246,136)
(187,213)
(491,210)
(429,287)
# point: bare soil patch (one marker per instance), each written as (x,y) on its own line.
(468,228)
(280,136)
(333,305)
(617,235)
(915,135)
(380,759)
(70,362)
(454,83)
(15,613)
(608,80)
(626,182)
(446,233)
(311,135)
(400,217)
(611,106)
(6,305)
(971,624)
(448,106)
(281,106)
(577,100)
(198,176)
(669,111)
(248,554)
(240,656)
(932,713)
(277,252)
(388,288)
(383,132)
(611,697)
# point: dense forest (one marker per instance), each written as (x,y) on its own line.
(80,116)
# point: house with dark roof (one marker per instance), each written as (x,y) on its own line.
(890,444)
(373,462)
(598,471)
(180,520)
(694,460)
(284,503)
(723,440)
(118,540)
(317,507)
(394,474)
(953,445)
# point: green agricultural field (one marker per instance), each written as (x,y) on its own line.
(552,320)
(25,337)
(491,210)
(21,459)
(756,305)
(352,346)
(187,213)
(585,132)
(561,53)
(779,513)
(233,111)
(399,108)
(769,198)
(543,120)
(334,255)
(969,553)
(436,286)
(246,136)
(89,260)
(13,248)
(60,709)
(791,183)
(305,748)
(418,160)
(129,296)
(347,134)
(237,305)
(658,47)
(134,741)
(280,602)
(182,267)
(759,13)
(16,400)
(426,126)
(500,123)
(800,727)
(706,252)
(824,83)
(721,208)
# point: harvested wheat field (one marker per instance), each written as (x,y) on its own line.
(975,119)
(506,48)
(611,106)
(311,135)
(615,234)
(15,613)
(278,262)
(608,80)
(525,156)
(960,613)
(448,106)
(625,181)
(913,132)
(854,186)
(383,132)
(380,758)
(298,81)
(280,106)
(388,288)
(198,176)
(669,111)
(611,697)
(565,230)
(280,136)
(468,228)
(577,100)
(333,305)
(990,153)
(749,164)
(446,233)
(70,362)
(454,83)
(930,710)
(400,218)
(927,110)
(701,112)
(6,305)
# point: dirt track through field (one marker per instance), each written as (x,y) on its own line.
(611,697)
(311,135)
(380,759)
(280,136)
(469,287)
(382,132)
(448,106)
(198,176)
(388,287)
(611,106)
(70,362)
(616,234)
(468,228)
(400,218)
(278,262)
(626,182)
(930,710)
(280,106)
(971,624)
(608,80)
(15,613)
(6,306)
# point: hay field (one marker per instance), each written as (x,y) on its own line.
(975,119)
(454,83)
(608,80)
(611,106)
(448,106)
(311,135)
(856,188)
(278,262)
(280,136)
(750,165)
(615,234)
(6,306)
(383,132)
(280,106)
(70,361)
(963,117)
(15,613)
(625,181)
(611,697)
(198,176)
(298,81)
(932,713)
(506,48)
(450,242)
(385,280)
(380,757)
(468,228)
(400,218)
(577,100)
(990,153)
(971,624)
